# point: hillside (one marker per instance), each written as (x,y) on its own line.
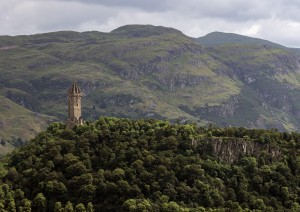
(19,121)
(221,38)
(137,165)
(144,71)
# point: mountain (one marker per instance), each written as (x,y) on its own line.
(144,30)
(152,72)
(117,164)
(221,38)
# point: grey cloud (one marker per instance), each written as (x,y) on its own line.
(236,10)
(275,20)
(149,5)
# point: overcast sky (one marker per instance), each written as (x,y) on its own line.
(274,20)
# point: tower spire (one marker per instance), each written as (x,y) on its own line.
(74,106)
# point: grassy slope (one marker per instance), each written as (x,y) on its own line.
(221,38)
(110,65)
(5,149)
(20,122)
(273,76)
(146,71)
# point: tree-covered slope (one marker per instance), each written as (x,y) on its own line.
(137,165)
(156,72)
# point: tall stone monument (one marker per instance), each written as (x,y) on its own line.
(74,106)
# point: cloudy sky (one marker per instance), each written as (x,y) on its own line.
(274,20)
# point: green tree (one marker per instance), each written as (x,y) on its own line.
(80,208)
(58,207)
(137,205)
(26,205)
(90,207)
(170,207)
(39,202)
(69,207)
(1,207)
(11,206)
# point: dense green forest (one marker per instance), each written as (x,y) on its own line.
(149,165)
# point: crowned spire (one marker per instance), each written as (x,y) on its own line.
(74,89)
(74,106)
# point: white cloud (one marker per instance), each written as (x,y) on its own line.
(281,31)
(274,20)
(252,30)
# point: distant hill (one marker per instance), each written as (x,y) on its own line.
(221,38)
(144,71)
(144,30)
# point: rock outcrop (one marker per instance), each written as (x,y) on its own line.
(230,150)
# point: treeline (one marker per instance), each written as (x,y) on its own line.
(148,165)
(15,200)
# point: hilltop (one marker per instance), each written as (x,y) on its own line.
(136,165)
(144,71)
(220,38)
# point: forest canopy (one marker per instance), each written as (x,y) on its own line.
(117,164)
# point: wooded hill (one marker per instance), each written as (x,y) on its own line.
(150,165)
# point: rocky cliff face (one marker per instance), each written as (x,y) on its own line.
(231,150)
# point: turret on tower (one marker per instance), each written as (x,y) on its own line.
(74,106)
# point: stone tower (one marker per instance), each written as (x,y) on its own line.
(74,106)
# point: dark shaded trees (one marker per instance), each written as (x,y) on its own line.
(122,164)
